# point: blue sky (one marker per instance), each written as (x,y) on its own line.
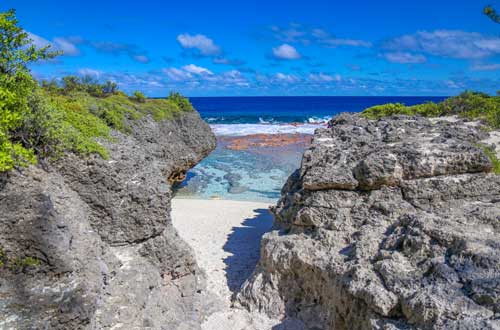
(207,48)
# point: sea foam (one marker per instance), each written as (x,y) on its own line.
(249,129)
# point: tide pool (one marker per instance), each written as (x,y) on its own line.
(254,174)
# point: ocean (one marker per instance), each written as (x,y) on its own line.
(261,141)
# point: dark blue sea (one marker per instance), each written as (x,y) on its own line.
(303,109)
(258,173)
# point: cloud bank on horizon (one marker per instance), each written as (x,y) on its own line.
(357,49)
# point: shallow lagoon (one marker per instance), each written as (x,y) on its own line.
(253,174)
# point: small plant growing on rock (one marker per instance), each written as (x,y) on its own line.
(16,263)
(491,154)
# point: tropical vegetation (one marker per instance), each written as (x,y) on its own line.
(471,105)
(40,122)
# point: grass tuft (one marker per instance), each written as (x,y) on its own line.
(491,154)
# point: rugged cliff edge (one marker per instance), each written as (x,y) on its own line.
(89,244)
(388,224)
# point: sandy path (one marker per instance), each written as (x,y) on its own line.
(225,236)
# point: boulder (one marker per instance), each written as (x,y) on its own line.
(88,243)
(388,224)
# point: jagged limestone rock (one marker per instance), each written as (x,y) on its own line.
(388,224)
(89,243)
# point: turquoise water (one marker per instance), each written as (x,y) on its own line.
(258,173)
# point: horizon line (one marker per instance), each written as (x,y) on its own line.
(269,96)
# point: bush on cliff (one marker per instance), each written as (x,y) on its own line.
(17,88)
(470,105)
(139,97)
(43,122)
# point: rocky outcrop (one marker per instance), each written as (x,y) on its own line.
(89,244)
(388,224)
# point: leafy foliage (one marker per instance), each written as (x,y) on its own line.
(44,122)
(139,97)
(470,105)
(182,102)
(88,84)
(16,88)
(492,14)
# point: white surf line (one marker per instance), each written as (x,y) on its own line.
(225,236)
(249,129)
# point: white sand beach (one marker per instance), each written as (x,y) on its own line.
(225,236)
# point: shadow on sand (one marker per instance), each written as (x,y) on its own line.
(244,245)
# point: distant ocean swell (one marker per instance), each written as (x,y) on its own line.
(265,125)
(250,129)
(267,120)
(273,115)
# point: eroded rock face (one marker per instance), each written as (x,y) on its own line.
(104,252)
(389,224)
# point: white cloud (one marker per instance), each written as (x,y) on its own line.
(67,45)
(286,52)
(454,84)
(486,67)
(38,41)
(447,43)
(228,61)
(333,42)
(321,77)
(176,74)
(297,33)
(90,72)
(326,39)
(195,75)
(205,45)
(233,77)
(141,58)
(198,70)
(294,33)
(320,33)
(118,49)
(288,78)
(404,58)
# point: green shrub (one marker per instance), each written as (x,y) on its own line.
(16,86)
(181,101)
(110,87)
(429,109)
(139,97)
(384,110)
(470,105)
(474,106)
